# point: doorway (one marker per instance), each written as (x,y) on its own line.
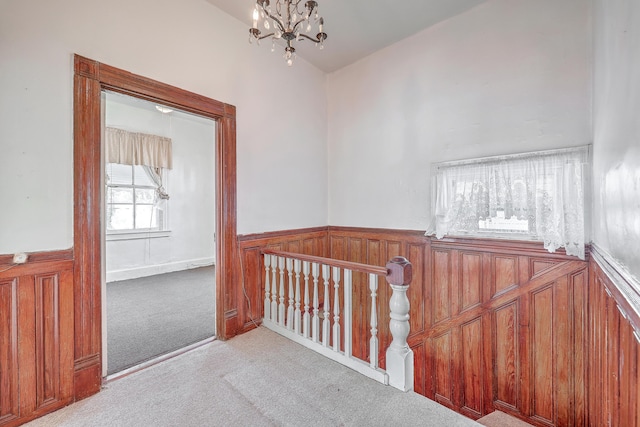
(158,230)
(90,79)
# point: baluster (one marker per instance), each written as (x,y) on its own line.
(281,299)
(296,323)
(348,313)
(267,288)
(399,356)
(326,324)
(316,319)
(290,306)
(306,320)
(274,289)
(336,309)
(373,342)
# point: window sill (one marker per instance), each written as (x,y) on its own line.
(135,235)
(524,237)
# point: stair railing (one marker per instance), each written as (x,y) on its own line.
(308,299)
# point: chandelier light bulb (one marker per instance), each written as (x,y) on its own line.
(256,15)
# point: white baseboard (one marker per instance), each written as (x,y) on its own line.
(152,270)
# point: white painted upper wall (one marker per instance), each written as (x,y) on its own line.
(616,158)
(281,111)
(507,76)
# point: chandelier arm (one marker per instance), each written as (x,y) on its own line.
(298,23)
(278,8)
(316,40)
(276,20)
(297,5)
(264,37)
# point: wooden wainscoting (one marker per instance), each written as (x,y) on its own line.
(507,325)
(310,241)
(613,356)
(36,336)
(495,324)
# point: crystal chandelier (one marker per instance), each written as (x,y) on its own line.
(286,21)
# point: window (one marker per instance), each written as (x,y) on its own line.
(538,196)
(132,198)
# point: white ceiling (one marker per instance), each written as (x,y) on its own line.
(357,28)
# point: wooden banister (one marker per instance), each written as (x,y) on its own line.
(353,266)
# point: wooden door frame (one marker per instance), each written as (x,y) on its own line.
(90,79)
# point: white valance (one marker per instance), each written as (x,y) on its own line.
(134,148)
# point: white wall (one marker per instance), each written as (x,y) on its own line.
(281,111)
(190,184)
(507,76)
(616,220)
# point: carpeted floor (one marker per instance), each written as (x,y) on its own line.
(155,315)
(256,379)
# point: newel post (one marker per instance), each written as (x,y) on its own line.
(399,355)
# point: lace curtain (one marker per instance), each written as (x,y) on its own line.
(536,195)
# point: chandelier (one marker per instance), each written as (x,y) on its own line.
(287,22)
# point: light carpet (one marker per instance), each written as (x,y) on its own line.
(257,379)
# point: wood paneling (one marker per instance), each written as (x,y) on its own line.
(442,349)
(36,338)
(472,401)
(417,298)
(9,400)
(505,355)
(542,367)
(499,325)
(504,271)
(471,280)
(526,358)
(442,289)
(613,354)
